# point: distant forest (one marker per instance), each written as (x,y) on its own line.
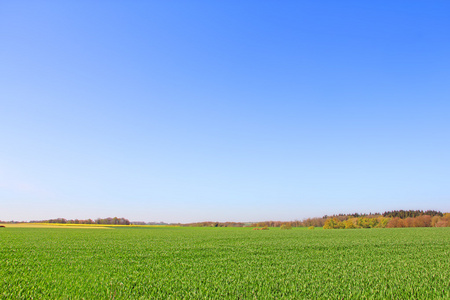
(389,219)
(106,221)
(402,214)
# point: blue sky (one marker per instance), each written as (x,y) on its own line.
(183,111)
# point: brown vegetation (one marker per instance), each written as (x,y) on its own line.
(285,226)
(262,228)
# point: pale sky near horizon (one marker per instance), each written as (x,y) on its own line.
(183,111)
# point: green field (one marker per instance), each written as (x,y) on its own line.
(224,263)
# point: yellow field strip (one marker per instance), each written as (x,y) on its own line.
(85,226)
(45,225)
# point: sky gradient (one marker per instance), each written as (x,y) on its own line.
(183,111)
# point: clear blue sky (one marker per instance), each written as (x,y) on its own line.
(183,111)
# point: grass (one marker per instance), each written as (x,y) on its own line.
(224,263)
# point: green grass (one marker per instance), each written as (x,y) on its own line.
(224,263)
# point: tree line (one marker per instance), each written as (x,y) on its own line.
(402,214)
(423,220)
(315,222)
(389,219)
(105,221)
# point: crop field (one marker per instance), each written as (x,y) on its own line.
(224,263)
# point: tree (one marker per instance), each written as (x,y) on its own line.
(333,223)
(350,223)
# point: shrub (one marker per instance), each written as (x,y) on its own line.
(263,228)
(285,226)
